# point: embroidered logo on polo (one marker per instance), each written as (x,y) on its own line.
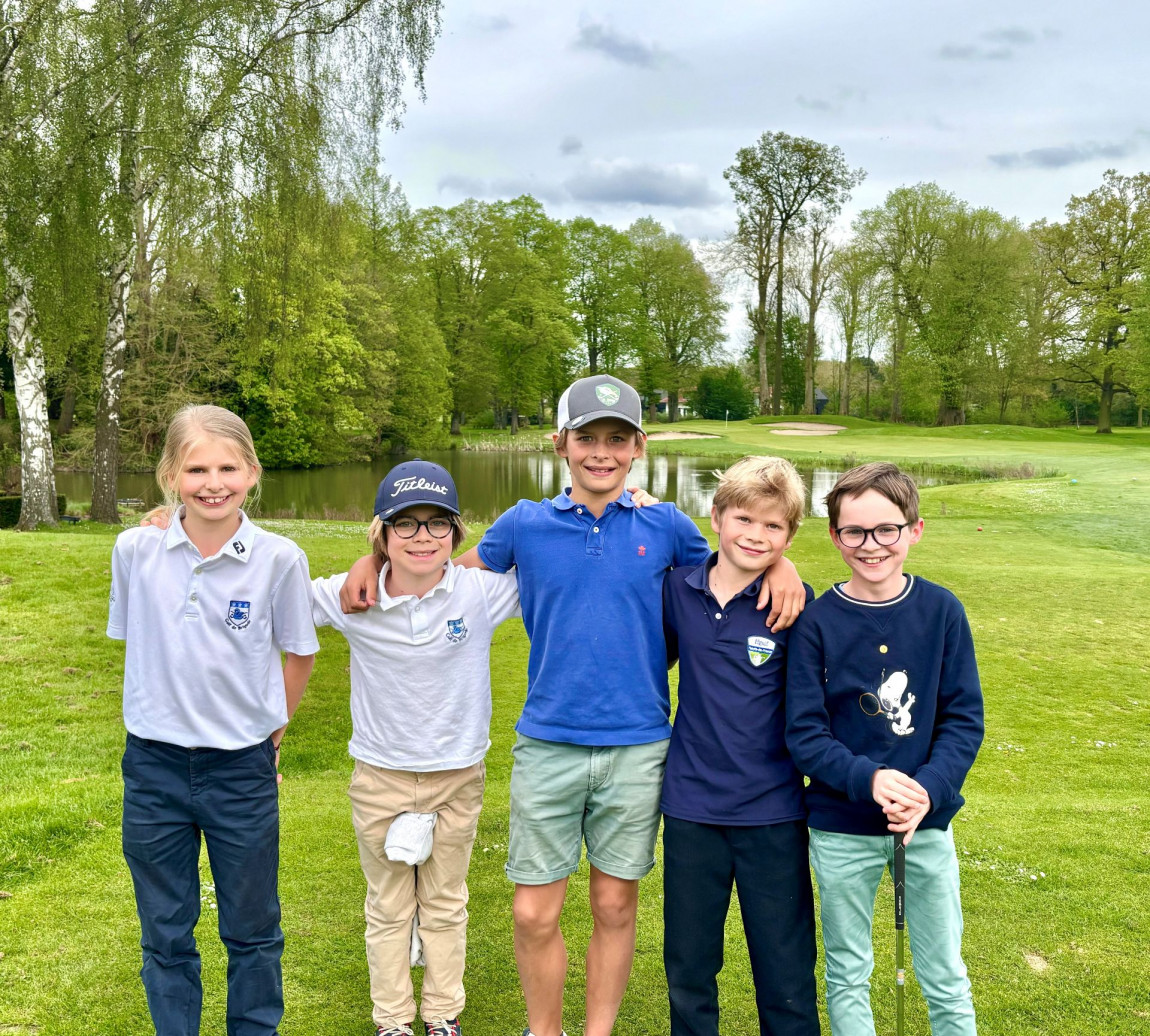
(642,551)
(760,649)
(456,630)
(608,394)
(238,547)
(239,614)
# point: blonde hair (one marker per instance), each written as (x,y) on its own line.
(377,534)
(189,426)
(884,478)
(560,440)
(759,481)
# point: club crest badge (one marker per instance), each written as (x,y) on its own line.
(456,630)
(608,394)
(759,650)
(239,614)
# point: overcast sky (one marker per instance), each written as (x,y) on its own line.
(619,110)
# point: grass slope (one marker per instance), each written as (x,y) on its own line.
(1053,844)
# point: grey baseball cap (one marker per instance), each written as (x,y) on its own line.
(599,396)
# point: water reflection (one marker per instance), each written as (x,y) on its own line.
(488,484)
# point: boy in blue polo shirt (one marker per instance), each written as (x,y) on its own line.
(732,802)
(884,714)
(592,739)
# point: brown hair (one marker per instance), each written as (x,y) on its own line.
(189,426)
(640,438)
(757,481)
(377,533)
(897,486)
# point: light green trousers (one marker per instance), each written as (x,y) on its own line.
(848,869)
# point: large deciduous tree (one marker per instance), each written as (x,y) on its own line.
(853,303)
(601,292)
(680,308)
(1102,252)
(781,175)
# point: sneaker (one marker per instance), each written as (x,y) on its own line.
(399,1030)
(446,1027)
(528,1032)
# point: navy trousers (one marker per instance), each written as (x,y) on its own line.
(172,795)
(769,868)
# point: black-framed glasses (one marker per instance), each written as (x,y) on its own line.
(405,528)
(885,535)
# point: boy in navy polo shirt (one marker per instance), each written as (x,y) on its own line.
(884,714)
(732,800)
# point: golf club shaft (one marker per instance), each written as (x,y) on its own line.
(899,927)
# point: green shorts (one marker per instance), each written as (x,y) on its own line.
(564,794)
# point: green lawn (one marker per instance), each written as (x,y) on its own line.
(1054,842)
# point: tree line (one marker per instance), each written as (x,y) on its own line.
(193,209)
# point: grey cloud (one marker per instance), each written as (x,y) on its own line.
(477,187)
(641,183)
(492,23)
(570,145)
(1062,156)
(593,36)
(815,104)
(1013,35)
(969,52)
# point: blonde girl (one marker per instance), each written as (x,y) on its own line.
(206,607)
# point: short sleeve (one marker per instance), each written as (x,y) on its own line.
(292,626)
(325,609)
(497,548)
(501,591)
(118,595)
(691,546)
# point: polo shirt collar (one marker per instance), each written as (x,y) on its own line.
(445,585)
(239,547)
(563,501)
(698,578)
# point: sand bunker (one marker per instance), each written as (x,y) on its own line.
(805,428)
(683,435)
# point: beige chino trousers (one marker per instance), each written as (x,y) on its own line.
(438,886)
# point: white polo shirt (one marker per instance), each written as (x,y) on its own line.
(202,663)
(420,672)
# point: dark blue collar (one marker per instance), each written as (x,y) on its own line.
(698,578)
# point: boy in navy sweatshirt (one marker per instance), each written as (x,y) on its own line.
(732,799)
(884,714)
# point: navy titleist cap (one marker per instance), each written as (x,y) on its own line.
(596,397)
(412,483)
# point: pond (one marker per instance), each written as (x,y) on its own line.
(488,484)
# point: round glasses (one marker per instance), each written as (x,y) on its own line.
(406,528)
(884,535)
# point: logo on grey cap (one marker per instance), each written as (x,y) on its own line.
(608,394)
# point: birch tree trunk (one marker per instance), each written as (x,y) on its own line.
(106,456)
(37,465)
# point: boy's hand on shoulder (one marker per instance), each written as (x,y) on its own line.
(358,592)
(641,498)
(160,517)
(786,593)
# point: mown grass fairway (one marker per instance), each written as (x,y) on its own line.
(1054,842)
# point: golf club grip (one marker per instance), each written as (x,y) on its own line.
(899,882)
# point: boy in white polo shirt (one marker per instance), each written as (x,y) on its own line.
(421,714)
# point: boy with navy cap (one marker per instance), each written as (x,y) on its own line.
(592,739)
(421,714)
